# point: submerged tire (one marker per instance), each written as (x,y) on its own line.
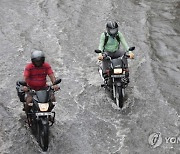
(43,136)
(119,97)
(34,126)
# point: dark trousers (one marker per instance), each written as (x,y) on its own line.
(106,63)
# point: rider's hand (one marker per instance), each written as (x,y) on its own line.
(100,57)
(56,87)
(25,88)
(131,55)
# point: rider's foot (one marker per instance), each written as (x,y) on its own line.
(105,82)
(51,119)
(105,76)
(128,80)
(103,85)
(28,121)
(127,76)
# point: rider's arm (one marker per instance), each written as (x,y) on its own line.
(101,42)
(125,45)
(50,72)
(52,77)
(101,46)
(27,73)
(26,78)
(123,41)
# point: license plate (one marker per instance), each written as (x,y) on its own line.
(117,70)
(118,76)
(43,113)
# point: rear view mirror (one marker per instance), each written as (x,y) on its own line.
(131,48)
(23,83)
(97,51)
(57,81)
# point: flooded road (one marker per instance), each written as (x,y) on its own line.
(87,121)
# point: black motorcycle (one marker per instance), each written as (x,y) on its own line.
(40,116)
(115,80)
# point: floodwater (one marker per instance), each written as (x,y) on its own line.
(87,121)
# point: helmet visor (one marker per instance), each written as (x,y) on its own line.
(113,31)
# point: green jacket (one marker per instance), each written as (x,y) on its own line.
(112,44)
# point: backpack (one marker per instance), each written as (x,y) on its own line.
(107,37)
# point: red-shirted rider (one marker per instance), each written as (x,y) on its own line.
(35,74)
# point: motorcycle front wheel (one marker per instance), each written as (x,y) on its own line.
(43,135)
(119,97)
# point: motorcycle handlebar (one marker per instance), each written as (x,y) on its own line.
(49,88)
(107,57)
(23,83)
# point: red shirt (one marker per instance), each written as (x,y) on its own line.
(36,76)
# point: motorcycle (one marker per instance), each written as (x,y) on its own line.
(115,81)
(40,117)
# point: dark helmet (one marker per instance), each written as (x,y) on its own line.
(112,28)
(37,58)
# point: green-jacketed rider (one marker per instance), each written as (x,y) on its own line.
(110,43)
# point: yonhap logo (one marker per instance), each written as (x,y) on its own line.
(172,140)
(155,140)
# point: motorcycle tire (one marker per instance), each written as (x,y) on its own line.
(43,135)
(34,126)
(119,99)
